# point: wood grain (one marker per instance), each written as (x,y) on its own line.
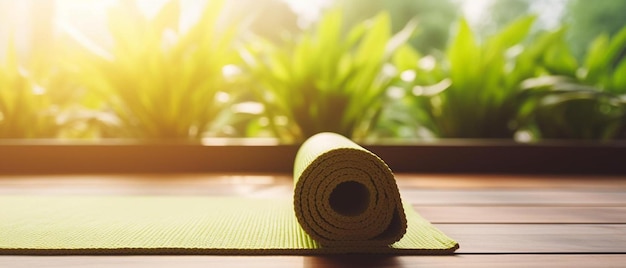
(461,260)
(514,197)
(538,238)
(521,214)
(509,181)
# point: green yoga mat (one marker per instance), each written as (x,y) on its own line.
(345,196)
(345,201)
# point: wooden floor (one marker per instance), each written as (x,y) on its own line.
(499,220)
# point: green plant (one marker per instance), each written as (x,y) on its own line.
(326,81)
(603,66)
(579,100)
(474,91)
(38,100)
(586,19)
(22,103)
(563,109)
(162,81)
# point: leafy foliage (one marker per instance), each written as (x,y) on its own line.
(475,94)
(37,100)
(580,100)
(563,108)
(162,81)
(325,81)
(21,103)
(588,18)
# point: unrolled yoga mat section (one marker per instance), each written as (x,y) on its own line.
(345,196)
(345,201)
(178,225)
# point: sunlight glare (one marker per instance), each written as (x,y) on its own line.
(150,7)
(474,10)
(308,10)
(88,17)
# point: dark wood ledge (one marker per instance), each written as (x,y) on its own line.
(44,157)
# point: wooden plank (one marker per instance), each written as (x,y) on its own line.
(149,184)
(521,214)
(510,181)
(138,189)
(463,260)
(404,180)
(530,260)
(538,238)
(281,185)
(513,197)
(414,185)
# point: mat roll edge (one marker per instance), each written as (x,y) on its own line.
(346,196)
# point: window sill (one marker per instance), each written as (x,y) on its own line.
(250,155)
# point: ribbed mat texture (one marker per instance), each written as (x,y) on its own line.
(345,201)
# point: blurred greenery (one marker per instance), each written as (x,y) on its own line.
(434,18)
(365,69)
(590,18)
(475,92)
(580,99)
(325,81)
(502,13)
(25,108)
(161,82)
(39,100)
(562,108)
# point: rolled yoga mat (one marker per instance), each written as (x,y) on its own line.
(345,202)
(346,196)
